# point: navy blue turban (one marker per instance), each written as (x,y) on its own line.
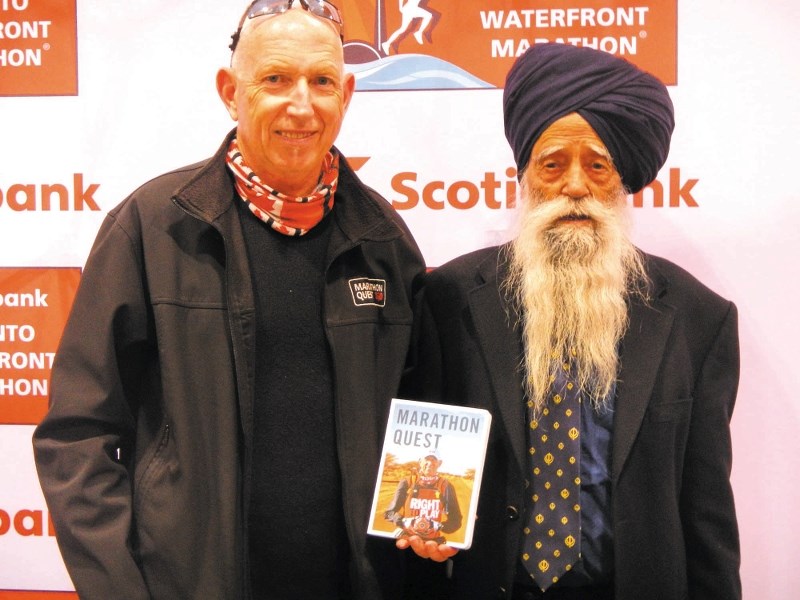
(629,109)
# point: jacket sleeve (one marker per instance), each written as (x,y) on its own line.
(394,512)
(707,504)
(81,445)
(423,376)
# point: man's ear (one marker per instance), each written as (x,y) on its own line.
(348,87)
(226,88)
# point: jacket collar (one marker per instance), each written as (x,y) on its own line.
(642,349)
(501,348)
(362,214)
(209,193)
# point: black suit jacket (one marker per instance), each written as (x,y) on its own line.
(674,523)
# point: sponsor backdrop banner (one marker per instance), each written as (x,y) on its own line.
(96,97)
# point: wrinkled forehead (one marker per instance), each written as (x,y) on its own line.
(569,131)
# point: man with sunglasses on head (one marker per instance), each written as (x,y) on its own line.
(241,325)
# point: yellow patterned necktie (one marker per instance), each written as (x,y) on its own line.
(551,546)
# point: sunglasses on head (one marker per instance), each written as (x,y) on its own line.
(264,8)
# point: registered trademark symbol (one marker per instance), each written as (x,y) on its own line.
(46,46)
(642,34)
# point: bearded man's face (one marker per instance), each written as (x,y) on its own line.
(569,160)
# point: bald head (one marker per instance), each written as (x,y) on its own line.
(254,32)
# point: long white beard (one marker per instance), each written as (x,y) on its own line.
(570,283)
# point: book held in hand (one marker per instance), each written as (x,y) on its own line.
(430,472)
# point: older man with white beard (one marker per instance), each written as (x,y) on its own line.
(611,373)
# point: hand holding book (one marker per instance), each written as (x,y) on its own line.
(427,549)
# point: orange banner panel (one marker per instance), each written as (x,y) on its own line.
(34,305)
(38,48)
(483,37)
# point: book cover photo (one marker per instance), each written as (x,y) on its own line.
(430,472)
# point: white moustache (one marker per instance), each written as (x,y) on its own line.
(550,212)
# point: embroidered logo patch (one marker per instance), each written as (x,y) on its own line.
(368,292)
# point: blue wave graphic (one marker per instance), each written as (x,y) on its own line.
(413,72)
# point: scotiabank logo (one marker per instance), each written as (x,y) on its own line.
(38,48)
(76,195)
(442,44)
(26,523)
(494,191)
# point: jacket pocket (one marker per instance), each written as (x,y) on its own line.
(153,467)
(664,412)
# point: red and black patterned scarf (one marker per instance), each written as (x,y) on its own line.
(289,215)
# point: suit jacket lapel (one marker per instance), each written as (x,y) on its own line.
(501,350)
(642,351)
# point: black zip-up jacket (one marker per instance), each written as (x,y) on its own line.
(144,455)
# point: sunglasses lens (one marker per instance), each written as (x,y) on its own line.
(323,9)
(267,7)
(320,8)
(262,8)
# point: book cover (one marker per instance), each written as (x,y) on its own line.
(430,472)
